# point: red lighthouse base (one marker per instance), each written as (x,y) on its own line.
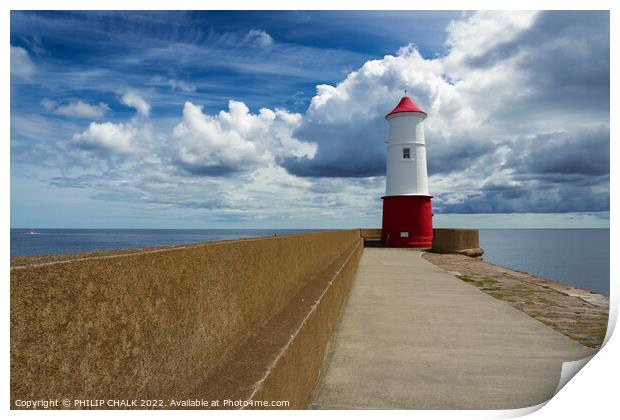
(407,221)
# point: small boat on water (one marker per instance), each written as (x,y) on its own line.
(32,232)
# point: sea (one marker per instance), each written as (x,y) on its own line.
(577,257)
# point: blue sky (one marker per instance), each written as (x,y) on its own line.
(274,119)
(211,51)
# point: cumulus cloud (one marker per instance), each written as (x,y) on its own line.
(517,96)
(259,37)
(134,100)
(76,109)
(22,66)
(234,141)
(584,151)
(116,138)
(476,37)
(110,138)
(518,122)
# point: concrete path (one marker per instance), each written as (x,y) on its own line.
(414,336)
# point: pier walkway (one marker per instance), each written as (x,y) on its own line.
(413,336)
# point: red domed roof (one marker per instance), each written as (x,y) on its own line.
(405,105)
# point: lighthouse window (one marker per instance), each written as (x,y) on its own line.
(406,153)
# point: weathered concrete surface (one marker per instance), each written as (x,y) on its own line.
(370,233)
(372,237)
(463,241)
(414,336)
(283,360)
(151,323)
(577,313)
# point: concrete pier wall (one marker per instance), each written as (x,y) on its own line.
(370,233)
(157,323)
(462,241)
(283,361)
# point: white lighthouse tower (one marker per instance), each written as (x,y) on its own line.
(407,210)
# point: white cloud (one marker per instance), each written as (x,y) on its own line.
(458,97)
(493,100)
(235,141)
(116,138)
(479,33)
(134,100)
(48,104)
(108,139)
(76,109)
(497,86)
(259,38)
(181,86)
(21,64)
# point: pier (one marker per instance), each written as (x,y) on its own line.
(413,336)
(314,320)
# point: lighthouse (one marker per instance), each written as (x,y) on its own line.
(407,212)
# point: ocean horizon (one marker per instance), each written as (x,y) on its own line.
(577,257)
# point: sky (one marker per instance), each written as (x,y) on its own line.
(270,119)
